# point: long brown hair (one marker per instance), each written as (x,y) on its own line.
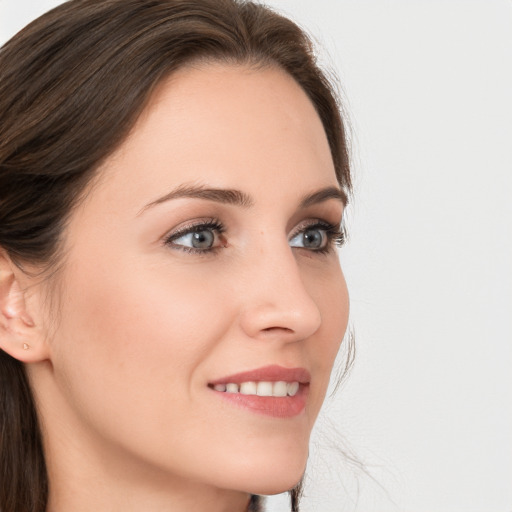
(72,84)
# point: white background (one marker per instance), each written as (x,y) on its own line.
(427,409)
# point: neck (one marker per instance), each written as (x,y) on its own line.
(83,491)
(100,481)
(255,504)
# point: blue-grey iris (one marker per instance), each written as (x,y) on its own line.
(313,239)
(203,239)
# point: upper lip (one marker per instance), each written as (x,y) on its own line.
(272,373)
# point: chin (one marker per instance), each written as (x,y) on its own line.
(276,487)
(274,477)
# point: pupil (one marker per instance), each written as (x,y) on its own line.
(313,239)
(202,239)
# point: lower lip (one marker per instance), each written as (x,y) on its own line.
(277,407)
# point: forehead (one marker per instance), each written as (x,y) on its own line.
(226,126)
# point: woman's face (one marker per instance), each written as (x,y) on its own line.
(204,258)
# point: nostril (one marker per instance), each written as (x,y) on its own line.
(277,329)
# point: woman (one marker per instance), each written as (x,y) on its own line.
(173,175)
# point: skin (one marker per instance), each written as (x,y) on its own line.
(121,377)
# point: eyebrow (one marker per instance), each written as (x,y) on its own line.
(218,195)
(239,198)
(324,195)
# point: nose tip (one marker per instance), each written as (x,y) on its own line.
(284,322)
(282,308)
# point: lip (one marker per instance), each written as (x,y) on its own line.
(271,373)
(276,407)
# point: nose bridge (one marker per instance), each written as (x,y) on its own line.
(276,299)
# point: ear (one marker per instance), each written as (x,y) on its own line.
(20,337)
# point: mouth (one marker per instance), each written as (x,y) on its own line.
(272,390)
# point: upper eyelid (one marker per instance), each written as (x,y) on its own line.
(314,222)
(193,225)
(215,223)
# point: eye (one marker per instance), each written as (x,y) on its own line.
(198,238)
(312,238)
(317,237)
(203,239)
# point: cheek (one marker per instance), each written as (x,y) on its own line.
(333,301)
(130,341)
(129,310)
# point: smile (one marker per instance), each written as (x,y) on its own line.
(271,390)
(262,388)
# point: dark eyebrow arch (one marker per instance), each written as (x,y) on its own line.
(219,195)
(323,195)
(239,198)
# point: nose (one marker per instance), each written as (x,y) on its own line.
(276,302)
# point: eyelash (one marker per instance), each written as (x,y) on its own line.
(336,235)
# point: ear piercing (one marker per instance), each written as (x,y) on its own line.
(26,346)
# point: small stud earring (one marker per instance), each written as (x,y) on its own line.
(26,346)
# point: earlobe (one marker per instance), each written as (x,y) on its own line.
(19,335)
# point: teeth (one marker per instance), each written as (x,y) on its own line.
(292,388)
(281,388)
(277,389)
(265,388)
(248,388)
